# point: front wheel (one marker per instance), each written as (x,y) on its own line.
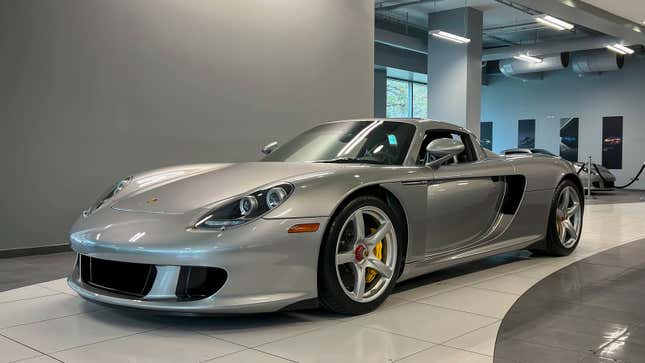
(360,257)
(565,220)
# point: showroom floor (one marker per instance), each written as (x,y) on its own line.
(27,270)
(589,311)
(448,316)
(617,196)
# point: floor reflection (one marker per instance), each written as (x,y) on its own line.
(590,311)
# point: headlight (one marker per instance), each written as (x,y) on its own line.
(275,196)
(248,205)
(108,194)
(245,209)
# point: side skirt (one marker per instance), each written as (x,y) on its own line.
(418,268)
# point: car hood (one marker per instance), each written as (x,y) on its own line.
(208,184)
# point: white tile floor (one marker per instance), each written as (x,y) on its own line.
(454,320)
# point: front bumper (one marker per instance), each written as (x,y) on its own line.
(597,183)
(267,268)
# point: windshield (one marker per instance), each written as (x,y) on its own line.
(370,142)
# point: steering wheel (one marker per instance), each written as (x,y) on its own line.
(380,153)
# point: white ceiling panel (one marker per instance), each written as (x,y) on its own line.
(633,10)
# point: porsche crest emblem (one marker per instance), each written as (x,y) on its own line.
(152,200)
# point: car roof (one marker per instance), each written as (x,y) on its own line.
(422,124)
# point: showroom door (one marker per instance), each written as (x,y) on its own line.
(463,201)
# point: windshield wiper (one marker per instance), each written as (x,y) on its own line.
(352,161)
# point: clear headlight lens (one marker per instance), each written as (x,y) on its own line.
(275,196)
(247,208)
(248,205)
(108,194)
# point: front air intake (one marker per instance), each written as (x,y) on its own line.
(123,278)
(196,282)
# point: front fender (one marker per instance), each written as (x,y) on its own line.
(320,195)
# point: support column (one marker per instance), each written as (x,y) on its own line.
(380,92)
(454,70)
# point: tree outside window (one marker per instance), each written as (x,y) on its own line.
(406,99)
(419,100)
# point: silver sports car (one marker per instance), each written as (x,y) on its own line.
(600,177)
(333,218)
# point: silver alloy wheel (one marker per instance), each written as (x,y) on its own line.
(359,253)
(568,217)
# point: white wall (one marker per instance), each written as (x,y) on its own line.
(92,91)
(564,94)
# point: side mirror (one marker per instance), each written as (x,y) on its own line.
(268,148)
(443,150)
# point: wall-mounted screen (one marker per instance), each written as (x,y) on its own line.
(569,138)
(486,132)
(612,142)
(526,134)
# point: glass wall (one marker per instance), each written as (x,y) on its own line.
(406,99)
(419,100)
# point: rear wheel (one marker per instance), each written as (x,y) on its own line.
(565,220)
(360,257)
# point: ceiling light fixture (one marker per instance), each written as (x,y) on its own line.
(528,58)
(449,36)
(620,49)
(553,22)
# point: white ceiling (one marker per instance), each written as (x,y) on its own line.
(495,14)
(503,24)
(633,10)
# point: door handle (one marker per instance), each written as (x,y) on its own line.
(415,182)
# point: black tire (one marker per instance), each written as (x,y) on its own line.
(330,293)
(553,245)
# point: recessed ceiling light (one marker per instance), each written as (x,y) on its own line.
(528,58)
(620,49)
(553,22)
(449,36)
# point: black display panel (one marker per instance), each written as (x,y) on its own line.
(526,134)
(487,135)
(569,138)
(612,142)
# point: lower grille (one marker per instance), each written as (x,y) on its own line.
(132,279)
(197,282)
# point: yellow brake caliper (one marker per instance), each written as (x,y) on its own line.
(378,252)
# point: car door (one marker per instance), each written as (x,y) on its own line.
(464,199)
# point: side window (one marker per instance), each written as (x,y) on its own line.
(468,155)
